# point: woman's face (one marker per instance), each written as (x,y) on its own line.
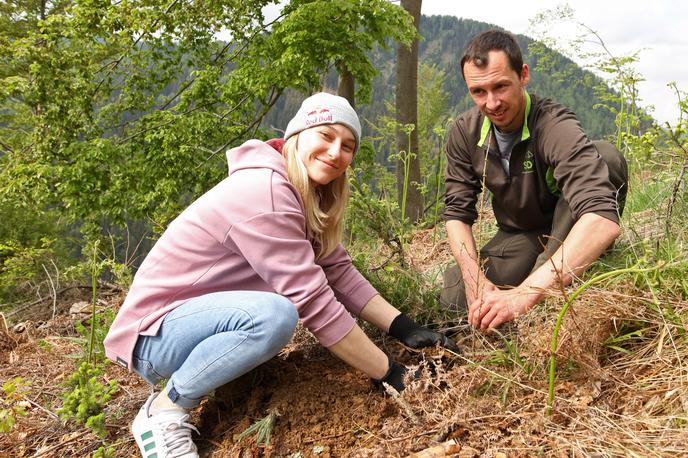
(326,151)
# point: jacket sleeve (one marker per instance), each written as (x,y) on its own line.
(275,246)
(580,172)
(462,185)
(349,286)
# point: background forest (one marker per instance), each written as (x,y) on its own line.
(116,115)
(114,118)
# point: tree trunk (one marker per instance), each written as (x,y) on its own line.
(407,113)
(347,85)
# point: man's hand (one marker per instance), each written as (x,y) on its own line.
(499,306)
(414,335)
(473,293)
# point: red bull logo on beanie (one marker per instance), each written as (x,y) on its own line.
(318,116)
(323,108)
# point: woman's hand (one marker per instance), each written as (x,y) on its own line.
(414,335)
(387,318)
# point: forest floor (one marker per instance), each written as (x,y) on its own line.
(622,389)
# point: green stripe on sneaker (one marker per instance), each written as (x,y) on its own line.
(147,435)
(149,446)
(152,455)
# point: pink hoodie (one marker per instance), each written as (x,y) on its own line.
(246,233)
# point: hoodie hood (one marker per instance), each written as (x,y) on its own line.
(257,154)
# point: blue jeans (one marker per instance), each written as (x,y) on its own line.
(213,339)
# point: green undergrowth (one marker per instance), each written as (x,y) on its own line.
(12,402)
(408,289)
(34,245)
(86,396)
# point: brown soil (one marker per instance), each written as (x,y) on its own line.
(325,408)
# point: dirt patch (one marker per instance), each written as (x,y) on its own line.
(323,406)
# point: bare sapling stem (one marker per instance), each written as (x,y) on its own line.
(52,287)
(405,157)
(479,224)
(677,137)
(481,206)
(94,285)
(438,172)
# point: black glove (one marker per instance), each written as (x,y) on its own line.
(414,335)
(395,375)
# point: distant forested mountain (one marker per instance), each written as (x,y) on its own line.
(444,38)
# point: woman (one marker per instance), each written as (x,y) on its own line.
(222,289)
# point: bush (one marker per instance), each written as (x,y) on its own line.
(32,243)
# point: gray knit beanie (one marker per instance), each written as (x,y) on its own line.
(324,108)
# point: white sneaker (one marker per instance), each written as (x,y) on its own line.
(165,434)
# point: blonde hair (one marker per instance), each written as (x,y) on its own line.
(324,205)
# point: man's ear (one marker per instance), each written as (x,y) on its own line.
(525,75)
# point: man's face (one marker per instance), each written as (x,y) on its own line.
(498,90)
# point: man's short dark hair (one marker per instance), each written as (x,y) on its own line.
(476,51)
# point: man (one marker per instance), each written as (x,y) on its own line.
(549,185)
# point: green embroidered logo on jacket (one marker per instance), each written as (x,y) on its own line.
(528,163)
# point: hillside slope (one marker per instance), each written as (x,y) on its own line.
(444,38)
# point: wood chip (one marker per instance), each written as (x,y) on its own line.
(448,448)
